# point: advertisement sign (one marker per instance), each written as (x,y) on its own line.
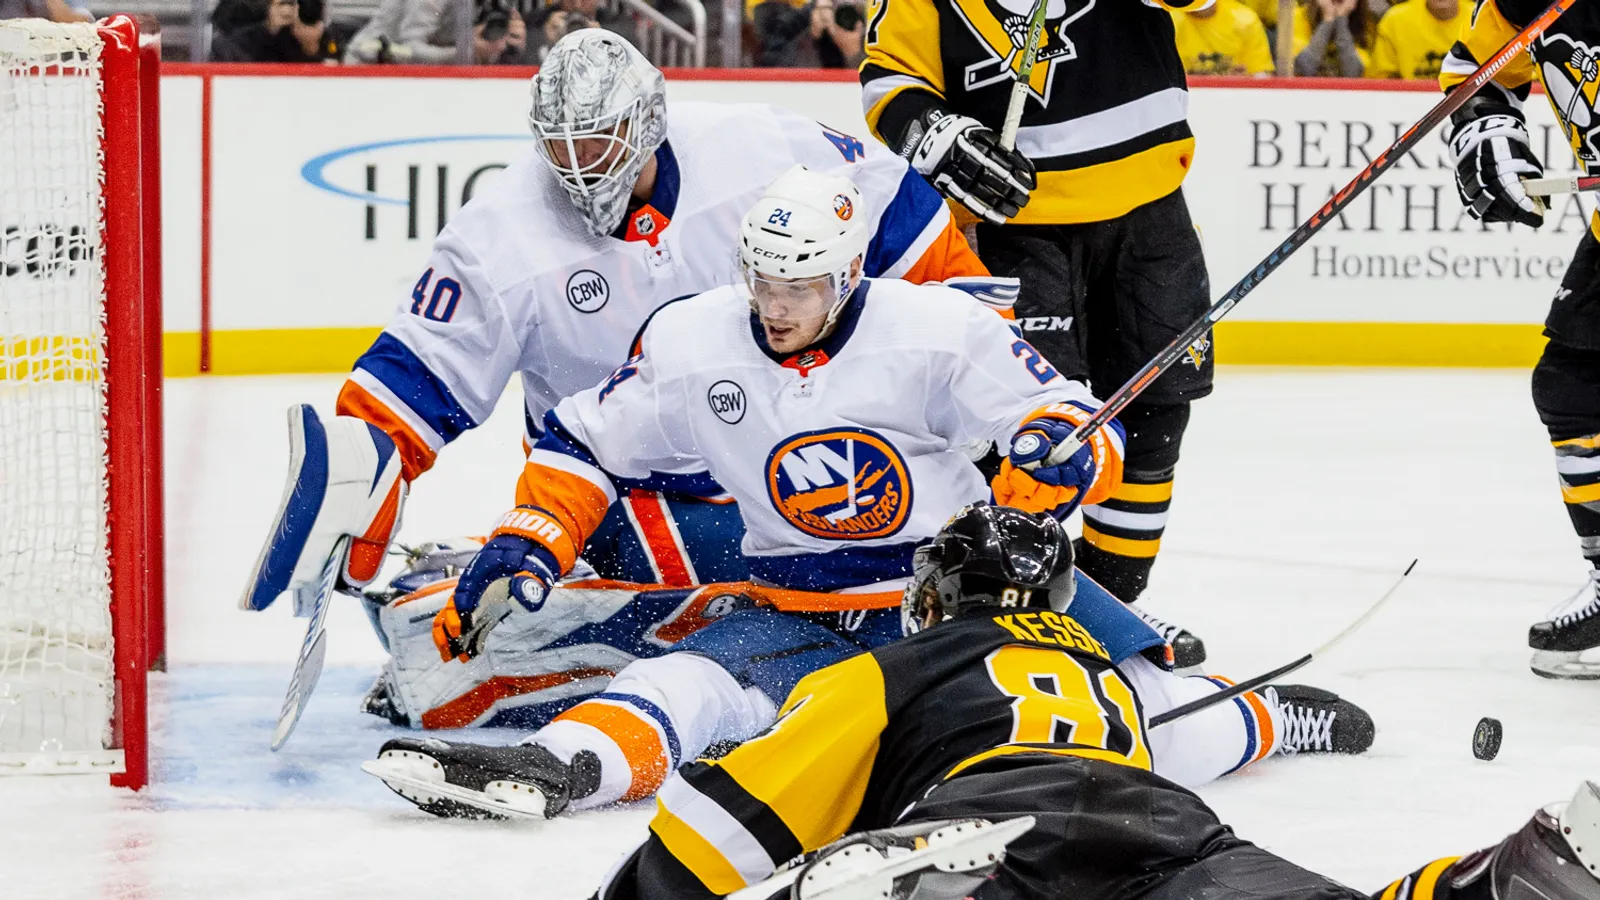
(326,192)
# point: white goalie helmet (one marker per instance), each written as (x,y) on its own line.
(599,113)
(801,244)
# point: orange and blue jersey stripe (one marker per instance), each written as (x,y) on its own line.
(1259,737)
(392,388)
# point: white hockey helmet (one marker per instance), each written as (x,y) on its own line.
(800,244)
(599,112)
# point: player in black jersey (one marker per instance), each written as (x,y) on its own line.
(1489,138)
(1087,211)
(1004,707)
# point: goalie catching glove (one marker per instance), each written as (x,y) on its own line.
(1029,481)
(1489,141)
(520,563)
(345,478)
(963,159)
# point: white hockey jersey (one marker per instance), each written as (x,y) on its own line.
(842,458)
(516,284)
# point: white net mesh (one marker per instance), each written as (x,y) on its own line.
(55,621)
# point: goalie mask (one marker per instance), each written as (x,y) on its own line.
(801,247)
(599,113)
(988,558)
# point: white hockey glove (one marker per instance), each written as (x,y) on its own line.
(344,479)
(963,159)
(1489,140)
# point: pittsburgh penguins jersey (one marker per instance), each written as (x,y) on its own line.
(517,285)
(1106,122)
(856,743)
(842,458)
(1566,59)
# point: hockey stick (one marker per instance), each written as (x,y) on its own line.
(313,650)
(1196,332)
(1571,184)
(1019,90)
(1194,706)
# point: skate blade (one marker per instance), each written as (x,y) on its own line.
(421,781)
(1564,665)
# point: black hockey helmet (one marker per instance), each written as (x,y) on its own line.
(989,557)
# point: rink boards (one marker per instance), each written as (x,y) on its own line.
(298,210)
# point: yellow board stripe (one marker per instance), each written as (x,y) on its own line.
(1430,877)
(1143,493)
(1121,546)
(696,853)
(1390,891)
(1477,345)
(278,351)
(1110,756)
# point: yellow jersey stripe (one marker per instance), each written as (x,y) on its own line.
(1108,190)
(1110,756)
(1143,493)
(1121,546)
(1429,878)
(696,853)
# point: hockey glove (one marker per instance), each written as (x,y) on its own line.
(515,566)
(344,479)
(1030,482)
(963,160)
(1489,140)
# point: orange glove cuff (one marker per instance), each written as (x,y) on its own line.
(1016,488)
(544,529)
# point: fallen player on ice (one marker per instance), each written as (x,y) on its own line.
(830,522)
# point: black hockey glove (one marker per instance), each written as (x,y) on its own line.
(1489,140)
(964,161)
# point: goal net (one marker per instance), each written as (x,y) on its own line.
(72,566)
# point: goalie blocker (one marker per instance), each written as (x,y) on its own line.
(345,480)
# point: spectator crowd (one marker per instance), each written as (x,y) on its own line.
(1406,39)
(1327,38)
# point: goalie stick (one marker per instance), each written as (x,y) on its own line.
(308,667)
(1185,342)
(1194,706)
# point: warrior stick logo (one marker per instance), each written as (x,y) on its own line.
(841,484)
(1001,26)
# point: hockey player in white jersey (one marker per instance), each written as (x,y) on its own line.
(834,409)
(623,203)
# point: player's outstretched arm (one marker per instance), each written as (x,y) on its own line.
(345,478)
(562,496)
(1005,391)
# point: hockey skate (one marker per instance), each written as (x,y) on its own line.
(1559,642)
(473,781)
(1556,856)
(942,859)
(1319,721)
(1188,651)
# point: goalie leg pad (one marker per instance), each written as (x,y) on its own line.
(344,479)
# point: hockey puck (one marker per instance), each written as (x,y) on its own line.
(1486,738)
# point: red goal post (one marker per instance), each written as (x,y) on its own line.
(81,548)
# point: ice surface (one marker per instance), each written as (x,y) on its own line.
(1302,494)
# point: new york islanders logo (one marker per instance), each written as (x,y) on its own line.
(842,484)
